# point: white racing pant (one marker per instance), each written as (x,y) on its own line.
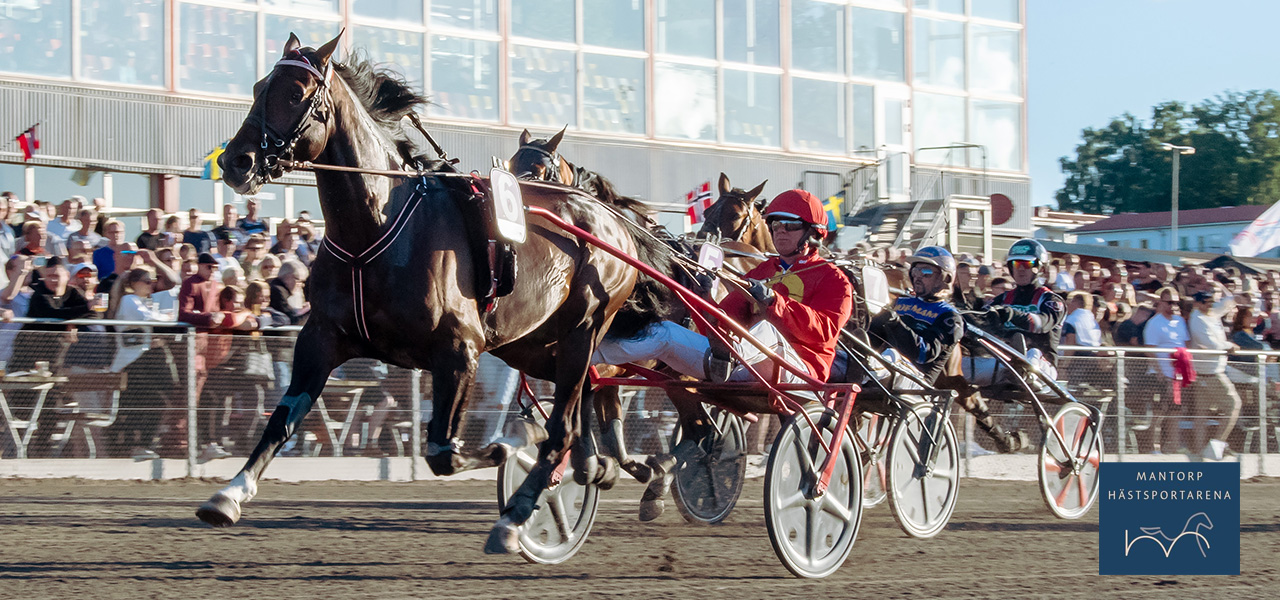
(684,351)
(984,371)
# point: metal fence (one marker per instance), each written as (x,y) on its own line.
(108,389)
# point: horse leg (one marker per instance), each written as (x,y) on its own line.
(575,349)
(693,424)
(315,357)
(1006,441)
(588,465)
(608,404)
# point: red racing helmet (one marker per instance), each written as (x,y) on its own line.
(799,204)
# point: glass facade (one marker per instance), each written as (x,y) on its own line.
(711,71)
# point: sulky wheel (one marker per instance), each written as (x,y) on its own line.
(812,534)
(924,471)
(706,490)
(873,442)
(1069,479)
(565,513)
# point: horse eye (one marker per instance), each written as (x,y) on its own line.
(297,96)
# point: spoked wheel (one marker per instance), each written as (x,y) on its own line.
(812,535)
(923,487)
(559,526)
(1069,479)
(706,490)
(873,435)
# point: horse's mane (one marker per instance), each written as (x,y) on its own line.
(385,95)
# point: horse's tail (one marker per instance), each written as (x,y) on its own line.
(651,301)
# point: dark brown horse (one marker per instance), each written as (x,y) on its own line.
(396,280)
(738,215)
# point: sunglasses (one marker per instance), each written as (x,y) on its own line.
(787,225)
(922,270)
(1022,264)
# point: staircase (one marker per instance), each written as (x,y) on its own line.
(907,225)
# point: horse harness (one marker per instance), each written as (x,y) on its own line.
(554,157)
(283,146)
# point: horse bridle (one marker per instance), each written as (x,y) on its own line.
(269,166)
(746,222)
(553,156)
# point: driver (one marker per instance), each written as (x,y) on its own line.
(1029,317)
(796,305)
(924,328)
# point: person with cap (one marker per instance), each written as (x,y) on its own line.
(1214,395)
(796,304)
(84,277)
(924,328)
(226,249)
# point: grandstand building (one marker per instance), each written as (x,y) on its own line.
(914,109)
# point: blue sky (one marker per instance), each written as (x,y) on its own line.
(1091,60)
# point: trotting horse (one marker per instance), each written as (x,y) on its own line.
(395,280)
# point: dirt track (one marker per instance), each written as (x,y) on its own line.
(78,539)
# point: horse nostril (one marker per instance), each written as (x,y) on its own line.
(243,162)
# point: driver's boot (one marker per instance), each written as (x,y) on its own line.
(717,362)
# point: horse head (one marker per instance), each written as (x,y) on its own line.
(538,159)
(738,215)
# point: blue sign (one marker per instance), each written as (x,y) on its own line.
(1169,519)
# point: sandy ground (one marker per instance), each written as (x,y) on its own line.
(81,539)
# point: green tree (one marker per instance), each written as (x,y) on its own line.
(1121,167)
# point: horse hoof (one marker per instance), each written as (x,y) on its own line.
(587,472)
(504,538)
(651,509)
(608,474)
(219,511)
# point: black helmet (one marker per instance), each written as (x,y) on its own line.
(1028,249)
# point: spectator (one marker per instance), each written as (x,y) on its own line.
(149,364)
(172,232)
(84,277)
(228,226)
(14,301)
(126,258)
(198,305)
(307,233)
(293,275)
(1082,282)
(51,298)
(1166,329)
(188,251)
(288,245)
(1215,395)
(34,239)
(269,268)
(85,233)
(250,224)
(65,225)
(153,236)
(104,256)
(8,242)
(1141,277)
(254,249)
(1059,277)
(999,285)
(233,276)
(964,296)
(1080,328)
(985,274)
(195,235)
(78,251)
(226,358)
(226,250)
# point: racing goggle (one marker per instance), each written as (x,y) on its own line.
(923,270)
(1022,264)
(787,225)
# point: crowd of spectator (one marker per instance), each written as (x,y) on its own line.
(70,261)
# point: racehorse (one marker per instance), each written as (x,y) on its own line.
(396,282)
(738,216)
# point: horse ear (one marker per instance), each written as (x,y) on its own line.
(291,46)
(326,51)
(525,138)
(756,190)
(725,188)
(554,142)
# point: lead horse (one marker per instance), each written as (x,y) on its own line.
(395,278)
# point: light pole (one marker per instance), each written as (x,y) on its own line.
(1178,151)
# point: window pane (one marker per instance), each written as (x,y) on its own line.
(817,36)
(409,11)
(400,51)
(939,52)
(877,44)
(996,66)
(955,7)
(751,32)
(464,78)
(35,37)
(217,49)
(752,108)
(998,126)
(478,15)
(684,101)
(939,121)
(122,44)
(687,28)
(311,33)
(864,117)
(542,86)
(306,6)
(613,93)
(818,118)
(1003,10)
(543,19)
(893,128)
(613,23)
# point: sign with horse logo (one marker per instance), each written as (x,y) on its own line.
(508,207)
(1169,519)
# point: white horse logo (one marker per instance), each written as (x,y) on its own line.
(1194,524)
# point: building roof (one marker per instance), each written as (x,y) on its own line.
(1162,220)
(1176,259)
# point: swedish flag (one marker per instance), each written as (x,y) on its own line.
(832,206)
(211,169)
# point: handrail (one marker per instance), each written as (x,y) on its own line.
(121,323)
(1160,350)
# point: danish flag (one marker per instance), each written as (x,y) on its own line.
(699,200)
